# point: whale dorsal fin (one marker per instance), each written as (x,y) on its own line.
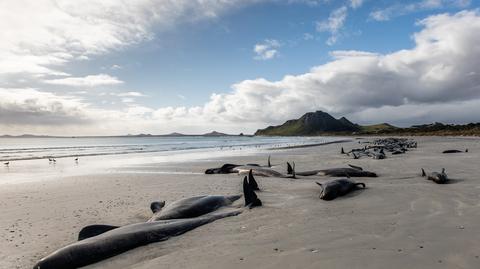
(293,171)
(355,167)
(252,182)
(289,169)
(269,164)
(251,199)
(157,206)
(94,230)
(423,173)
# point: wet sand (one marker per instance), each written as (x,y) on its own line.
(400,221)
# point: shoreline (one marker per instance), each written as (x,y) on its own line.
(395,222)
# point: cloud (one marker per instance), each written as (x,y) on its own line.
(116,67)
(436,80)
(266,50)
(308,36)
(440,71)
(333,24)
(88,81)
(403,9)
(356,3)
(339,54)
(33,107)
(42,36)
(131,94)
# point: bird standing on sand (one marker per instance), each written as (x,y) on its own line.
(76,160)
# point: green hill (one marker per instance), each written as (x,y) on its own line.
(321,123)
(312,123)
(376,128)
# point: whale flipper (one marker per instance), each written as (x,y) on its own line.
(251,199)
(157,206)
(94,230)
(252,182)
(356,167)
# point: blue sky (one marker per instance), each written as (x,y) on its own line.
(192,66)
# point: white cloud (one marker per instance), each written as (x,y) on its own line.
(333,24)
(356,3)
(441,69)
(41,36)
(403,9)
(116,67)
(266,50)
(308,36)
(19,107)
(339,54)
(131,94)
(437,79)
(88,81)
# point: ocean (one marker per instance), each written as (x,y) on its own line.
(30,148)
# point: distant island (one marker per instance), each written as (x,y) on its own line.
(322,123)
(175,134)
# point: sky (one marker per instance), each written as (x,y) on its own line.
(112,67)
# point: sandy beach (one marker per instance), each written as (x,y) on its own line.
(400,220)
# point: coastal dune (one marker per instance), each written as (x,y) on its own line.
(400,220)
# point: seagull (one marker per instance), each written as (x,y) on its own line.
(7,163)
(76,159)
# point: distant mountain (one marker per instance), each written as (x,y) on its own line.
(312,123)
(214,133)
(175,134)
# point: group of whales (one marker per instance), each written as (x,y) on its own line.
(99,242)
(336,187)
(330,189)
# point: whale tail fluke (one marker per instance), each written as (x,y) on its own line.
(252,182)
(423,173)
(94,230)
(157,206)
(251,199)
